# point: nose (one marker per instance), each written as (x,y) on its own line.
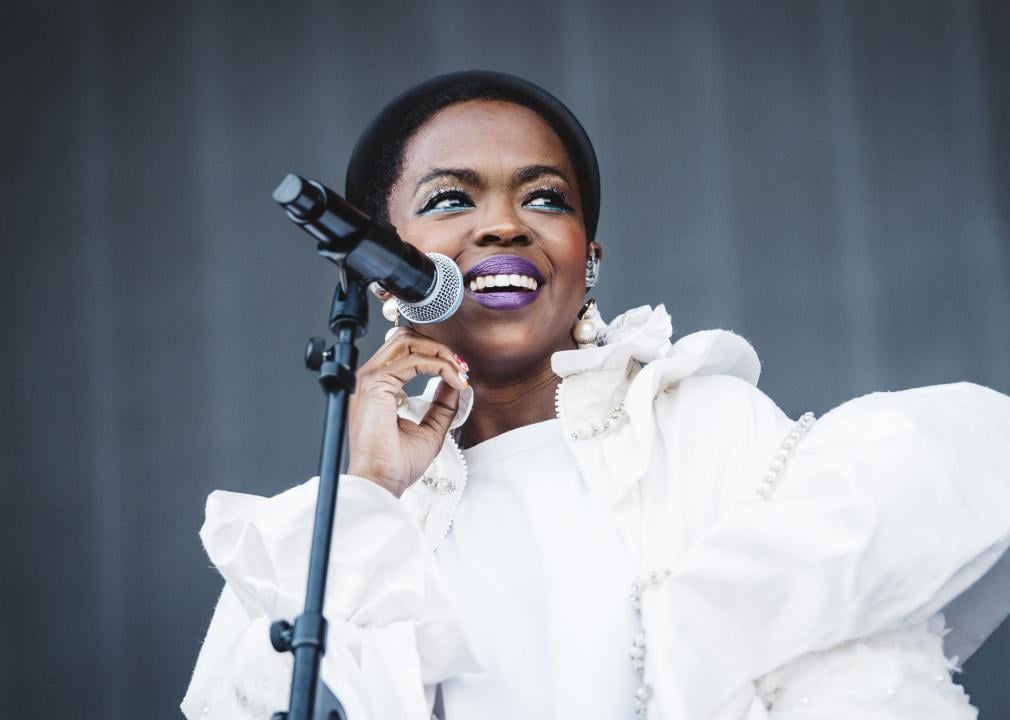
(501,225)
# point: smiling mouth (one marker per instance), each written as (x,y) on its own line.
(504,273)
(504,282)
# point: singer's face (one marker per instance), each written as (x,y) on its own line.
(489,184)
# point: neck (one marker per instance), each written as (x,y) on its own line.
(498,408)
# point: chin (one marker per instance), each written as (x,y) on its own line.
(508,349)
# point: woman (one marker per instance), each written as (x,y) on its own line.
(622,527)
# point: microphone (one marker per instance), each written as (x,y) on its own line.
(427,288)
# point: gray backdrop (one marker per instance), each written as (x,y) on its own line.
(830,179)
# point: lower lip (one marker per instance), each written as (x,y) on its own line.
(504,300)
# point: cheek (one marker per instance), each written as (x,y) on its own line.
(571,255)
(420,232)
(429,237)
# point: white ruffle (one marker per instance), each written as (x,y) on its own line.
(642,333)
(238,674)
(896,675)
(393,626)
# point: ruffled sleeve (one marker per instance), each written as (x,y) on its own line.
(393,625)
(892,506)
(893,675)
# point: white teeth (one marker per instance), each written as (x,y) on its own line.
(502,281)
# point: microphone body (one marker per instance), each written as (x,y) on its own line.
(427,288)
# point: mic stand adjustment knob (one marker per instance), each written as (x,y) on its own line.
(281,635)
(315,353)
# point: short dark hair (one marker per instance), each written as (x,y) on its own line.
(377,160)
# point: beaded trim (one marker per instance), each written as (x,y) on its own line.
(452,489)
(653,579)
(638,646)
(771,478)
(598,428)
(440,485)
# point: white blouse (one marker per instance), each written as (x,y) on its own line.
(776,579)
(541,576)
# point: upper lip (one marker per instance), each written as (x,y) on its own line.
(504,265)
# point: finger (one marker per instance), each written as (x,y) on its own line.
(443,409)
(392,377)
(407,342)
(413,341)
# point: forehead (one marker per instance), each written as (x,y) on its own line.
(484,135)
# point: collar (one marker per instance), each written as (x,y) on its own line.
(636,338)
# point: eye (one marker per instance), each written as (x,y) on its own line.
(548,199)
(446,200)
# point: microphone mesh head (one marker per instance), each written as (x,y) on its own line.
(444,298)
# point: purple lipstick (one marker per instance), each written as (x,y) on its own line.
(503,282)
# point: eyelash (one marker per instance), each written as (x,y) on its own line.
(437,196)
(558,199)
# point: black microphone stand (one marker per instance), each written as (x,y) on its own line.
(306,639)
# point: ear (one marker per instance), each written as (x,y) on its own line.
(594,247)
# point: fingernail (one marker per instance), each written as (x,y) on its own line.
(462,363)
(465,378)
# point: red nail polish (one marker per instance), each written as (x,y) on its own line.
(462,363)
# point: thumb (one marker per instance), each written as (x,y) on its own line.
(443,409)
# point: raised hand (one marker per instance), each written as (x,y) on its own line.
(388,450)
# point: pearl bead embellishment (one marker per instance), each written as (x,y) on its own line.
(601,426)
(642,698)
(783,454)
(439,486)
(638,646)
(646,582)
(638,652)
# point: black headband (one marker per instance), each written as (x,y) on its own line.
(375,161)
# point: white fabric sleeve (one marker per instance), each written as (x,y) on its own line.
(891,506)
(893,675)
(393,626)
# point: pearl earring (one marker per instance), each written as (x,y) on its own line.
(392,313)
(592,269)
(585,331)
(389,309)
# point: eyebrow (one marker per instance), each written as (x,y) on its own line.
(461,174)
(520,176)
(532,172)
